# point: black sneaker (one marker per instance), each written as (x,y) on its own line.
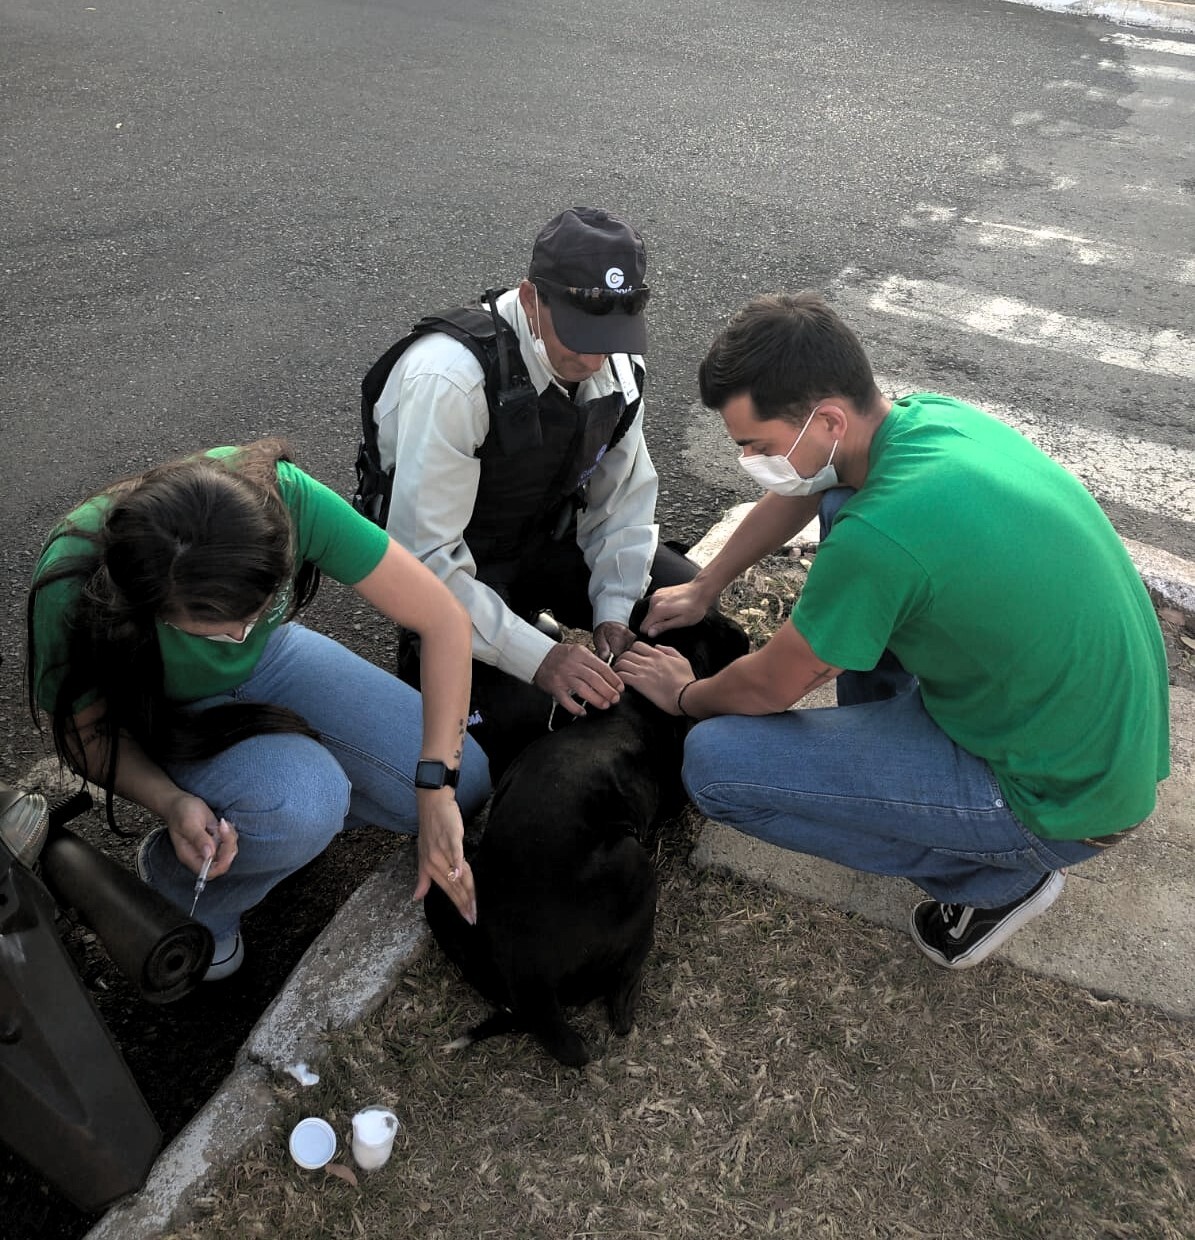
(956,936)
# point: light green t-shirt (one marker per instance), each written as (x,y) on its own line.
(995,578)
(327,531)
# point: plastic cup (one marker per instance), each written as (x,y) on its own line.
(312,1143)
(373,1136)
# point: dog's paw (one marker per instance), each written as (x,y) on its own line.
(566,1046)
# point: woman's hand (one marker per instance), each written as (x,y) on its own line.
(442,852)
(197,833)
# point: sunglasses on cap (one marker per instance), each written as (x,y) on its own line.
(597,300)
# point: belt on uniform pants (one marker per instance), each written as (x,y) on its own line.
(1106,841)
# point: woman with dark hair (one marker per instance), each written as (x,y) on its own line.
(162,644)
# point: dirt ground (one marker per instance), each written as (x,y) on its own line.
(792,1070)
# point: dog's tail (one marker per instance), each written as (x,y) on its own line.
(502,1021)
(553,1032)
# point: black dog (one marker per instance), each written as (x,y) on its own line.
(566,893)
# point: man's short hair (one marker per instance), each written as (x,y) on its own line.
(787,352)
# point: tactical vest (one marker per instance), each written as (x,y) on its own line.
(538,455)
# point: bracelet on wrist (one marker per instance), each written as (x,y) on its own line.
(680,698)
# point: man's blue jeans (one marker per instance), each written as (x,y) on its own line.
(875,785)
(288,795)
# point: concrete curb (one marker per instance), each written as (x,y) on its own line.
(1177,15)
(1122,927)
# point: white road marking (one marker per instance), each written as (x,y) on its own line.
(1087,251)
(1120,469)
(1165,352)
(1121,12)
(1163,73)
(1163,103)
(1090,92)
(1164,47)
(1168,195)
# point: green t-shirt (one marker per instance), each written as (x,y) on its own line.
(327,531)
(995,578)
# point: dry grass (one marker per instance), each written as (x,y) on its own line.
(794,1072)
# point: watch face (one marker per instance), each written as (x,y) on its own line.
(431,774)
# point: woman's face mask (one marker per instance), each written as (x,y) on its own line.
(777,473)
(246,629)
(228,637)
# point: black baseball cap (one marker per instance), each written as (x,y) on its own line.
(590,267)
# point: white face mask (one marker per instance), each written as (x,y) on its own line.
(218,637)
(228,637)
(777,473)
(540,349)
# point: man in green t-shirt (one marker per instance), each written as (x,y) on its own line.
(1002,686)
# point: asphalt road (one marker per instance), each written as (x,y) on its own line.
(215,217)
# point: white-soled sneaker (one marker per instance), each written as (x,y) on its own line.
(957,936)
(229,953)
(143,851)
(227,958)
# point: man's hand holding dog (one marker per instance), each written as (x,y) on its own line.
(610,639)
(575,678)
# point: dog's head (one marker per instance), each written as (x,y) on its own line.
(709,645)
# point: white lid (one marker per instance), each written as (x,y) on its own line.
(312,1143)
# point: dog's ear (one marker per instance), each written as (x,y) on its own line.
(717,641)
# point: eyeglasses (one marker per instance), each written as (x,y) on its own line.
(273,607)
(598,300)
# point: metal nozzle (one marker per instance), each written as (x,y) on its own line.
(24,823)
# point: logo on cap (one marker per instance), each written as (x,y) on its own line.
(614,277)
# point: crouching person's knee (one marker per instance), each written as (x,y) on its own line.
(704,769)
(293,808)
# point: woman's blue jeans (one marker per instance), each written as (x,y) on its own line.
(288,795)
(873,784)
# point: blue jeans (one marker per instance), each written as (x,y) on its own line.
(873,784)
(288,795)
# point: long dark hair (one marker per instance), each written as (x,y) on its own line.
(209,539)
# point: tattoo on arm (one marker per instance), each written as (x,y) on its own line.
(820,677)
(460,743)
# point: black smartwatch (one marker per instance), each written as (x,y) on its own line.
(430,774)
